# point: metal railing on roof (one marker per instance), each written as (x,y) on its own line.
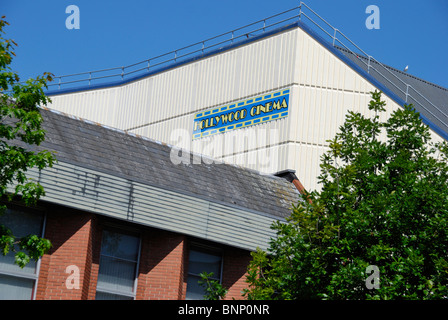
(179,55)
(381,72)
(301,13)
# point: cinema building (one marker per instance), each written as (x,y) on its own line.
(180,163)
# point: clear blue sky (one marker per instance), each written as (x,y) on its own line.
(114,33)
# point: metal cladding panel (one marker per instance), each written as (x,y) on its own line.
(320,111)
(318,66)
(178,132)
(318,107)
(268,160)
(334,81)
(322,87)
(326,89)
(306,161)
(250,69)
(240,226)
(120,198)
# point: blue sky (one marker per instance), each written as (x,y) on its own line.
(114,33)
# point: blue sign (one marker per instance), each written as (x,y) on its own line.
(242,114)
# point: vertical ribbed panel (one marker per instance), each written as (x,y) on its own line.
(162,106)
(326,90)
(248,70)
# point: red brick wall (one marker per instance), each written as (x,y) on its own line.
(161,272)
(235,263)
(70,233)
(95,265)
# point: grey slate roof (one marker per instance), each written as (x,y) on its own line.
(92,146)
(435,108)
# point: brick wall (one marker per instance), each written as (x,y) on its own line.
(70,233)
(162,273)
(235,262)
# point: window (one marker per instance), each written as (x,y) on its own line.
(202,259)
(19,283)
(117,275)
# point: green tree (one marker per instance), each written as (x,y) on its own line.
(20,130)
(213,289)
(383,203)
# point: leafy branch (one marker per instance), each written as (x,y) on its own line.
(20,133)
(213,289)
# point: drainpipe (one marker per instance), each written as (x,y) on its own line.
(290,175)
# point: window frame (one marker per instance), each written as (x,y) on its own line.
(35,275)
(205,248)
(125,231)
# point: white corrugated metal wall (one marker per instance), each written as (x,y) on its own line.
(255,68)
(326,88)
(162,106)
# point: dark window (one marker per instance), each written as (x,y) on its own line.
(202,259)
(19,283)
(117,275)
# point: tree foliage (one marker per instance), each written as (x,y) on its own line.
(214,290)
(20,130)
(384,202)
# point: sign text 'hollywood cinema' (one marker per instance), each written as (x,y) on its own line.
(242,114)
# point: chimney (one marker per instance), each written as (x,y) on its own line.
(290,175)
